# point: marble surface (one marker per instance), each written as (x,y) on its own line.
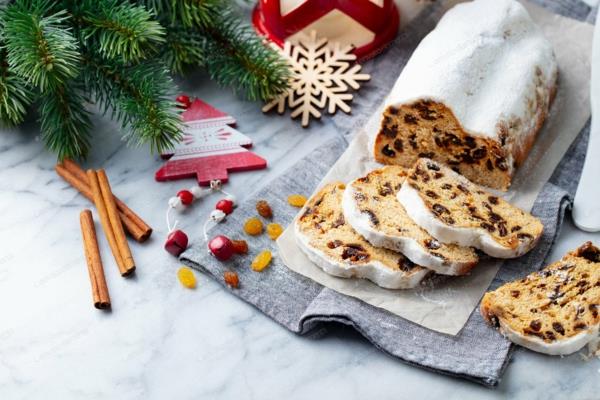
(163,341)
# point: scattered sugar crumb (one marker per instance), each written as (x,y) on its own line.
(441,303)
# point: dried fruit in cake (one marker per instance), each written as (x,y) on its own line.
(261,261)
(454,210)
(253,226)
(296,200)
(473,95)
(326,238)
(231,279)
(274,230)
(553,311)
(264,209)
(371,208)
(186,277)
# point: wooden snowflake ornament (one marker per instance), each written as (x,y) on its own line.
(322,76)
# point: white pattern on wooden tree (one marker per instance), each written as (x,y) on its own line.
(322,75)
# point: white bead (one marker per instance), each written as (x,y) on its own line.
(217,215)
(175,202)
(198,192)
(231,198)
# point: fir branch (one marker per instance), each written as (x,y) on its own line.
(15,94)
(183,48)
(65,123)
(139,97)
(240,59)
(186,13)
(41,48)
(119,30)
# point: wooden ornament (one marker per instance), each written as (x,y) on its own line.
(210,148)
(322,75)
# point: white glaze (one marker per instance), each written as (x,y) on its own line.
(480,61)
(410,247)
(474,237)
(561,347)
(374,271)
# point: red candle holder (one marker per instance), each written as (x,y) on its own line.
(370,25)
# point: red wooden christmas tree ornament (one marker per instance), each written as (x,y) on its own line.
(210,148)
(369,25)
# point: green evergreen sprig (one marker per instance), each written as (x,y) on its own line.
(120,30)
(15,94)
(41,48)
(65,123)
(235,49)
(140,97)
(63,55)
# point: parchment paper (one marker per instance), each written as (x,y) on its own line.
(446,305)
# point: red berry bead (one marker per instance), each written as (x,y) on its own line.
(186,197)
(184,100)
(225,205)
(176,243)
(221,247)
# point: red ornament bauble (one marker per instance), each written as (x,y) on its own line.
(221,247)
(176,243)
(225,205)
(369,25)
(186,197)
(183,100)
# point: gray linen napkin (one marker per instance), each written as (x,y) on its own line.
(477,353)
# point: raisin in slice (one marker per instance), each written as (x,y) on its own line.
(398,145)
(387,151)
(410,119)
(536,325)
(557,326)
(439,209)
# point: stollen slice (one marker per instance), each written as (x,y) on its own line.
(323,234)
(553,311)
(371,208)
(455,210)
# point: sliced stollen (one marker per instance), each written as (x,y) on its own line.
(553,311)
(371,208)
(323,234)
(455,210)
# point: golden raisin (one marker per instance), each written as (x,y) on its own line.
(231,279)
(296,200)
(264,209)
(240,246)
(274,231)
(186,277)
(261,261)
(253,226)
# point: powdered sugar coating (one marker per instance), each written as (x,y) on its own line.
(489,63)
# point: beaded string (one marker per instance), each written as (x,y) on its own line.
(177,240)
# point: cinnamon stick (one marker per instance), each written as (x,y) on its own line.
(76,177)
(83,187)
(115,221)
(94,262)
(105,221)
